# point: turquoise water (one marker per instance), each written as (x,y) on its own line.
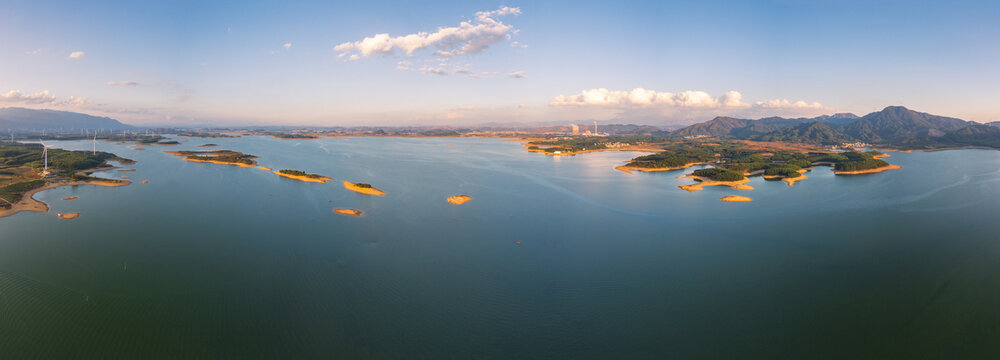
(212,261)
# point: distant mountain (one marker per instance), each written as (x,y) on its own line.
(974,135)
(813,133)
(743,128)
(994,123)
(29,119)
(896,124)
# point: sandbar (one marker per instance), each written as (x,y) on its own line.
(702,182)
(352,212)
(869,171)
(265,168)
(218,162)
(70,198)
(320,179)
(126,170)
(69,215)
(735,198)
(145,181)
(459,199)
(138,149)
(364,190)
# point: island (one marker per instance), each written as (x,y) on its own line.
(70,198)
(459,199)
(23,174)
(208,145)
(68,215)
(735,198)
(716,177)
(303,176)
(363,188)
(222,157)
(352,212)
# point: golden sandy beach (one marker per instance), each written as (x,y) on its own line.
(321,179)
(869,171)
(459,199)
(703,182)
(69,215)
(370,191)
(629,169)
(352,212)
(735,198)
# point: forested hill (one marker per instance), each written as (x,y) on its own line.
(892,126)
(14,118)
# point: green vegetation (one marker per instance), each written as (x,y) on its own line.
(61,161)
(363,185)
(300,173)
(14,192)
(717,174)
(225,156)
(584,143)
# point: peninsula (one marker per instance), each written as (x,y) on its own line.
(221,157)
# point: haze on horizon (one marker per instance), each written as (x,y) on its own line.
(321,63)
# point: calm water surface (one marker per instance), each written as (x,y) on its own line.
(211,261)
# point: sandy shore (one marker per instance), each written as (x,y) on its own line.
(629,169)
(735,198)
(126,170)
(882,155)
(138,149)
(459,199)
(186,158)
(352,212)
(788,180)
(869,171)
(321,179)
(69,215)
(28,202)
(703,182)
(265,168)
(370,191)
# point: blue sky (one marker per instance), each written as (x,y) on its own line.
(656,62)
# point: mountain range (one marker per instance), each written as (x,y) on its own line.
(893,126)
(14,118)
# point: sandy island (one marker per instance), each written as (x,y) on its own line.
(265,168)
(788,180)
(186,158)
(869,171)
(320,179)
(126,170)
(208,145)
(138,149)
(145,181)
(735,198)
(70,198)
(352,212)
(69,215)
(28,202)
(459,199)
(629,169)
(364,190)
(702,182)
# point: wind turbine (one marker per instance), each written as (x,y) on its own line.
(45,153)
(95,143)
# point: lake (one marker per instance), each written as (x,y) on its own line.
(214,261)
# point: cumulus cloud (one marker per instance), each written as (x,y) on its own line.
(287,46)
(122,83)
(469,37)
(785,104)
(75,101)
(516,75)
(77,54)
(16,97)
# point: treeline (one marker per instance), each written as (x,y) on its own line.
(718,174)
(299,173)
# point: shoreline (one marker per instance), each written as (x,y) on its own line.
(628,169)
(869,171)
(321,179)
(703,182)
(735,198)
(29,203)
(370,191)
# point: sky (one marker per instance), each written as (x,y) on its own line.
(350,63)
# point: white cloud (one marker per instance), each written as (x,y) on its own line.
(287,46)
(77,54)
(16,97)
(433,70)
(785,104)
(33,52)
(469,37)
(122,83)
(403,65)
(640,97)
(75,101)
(517,75)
